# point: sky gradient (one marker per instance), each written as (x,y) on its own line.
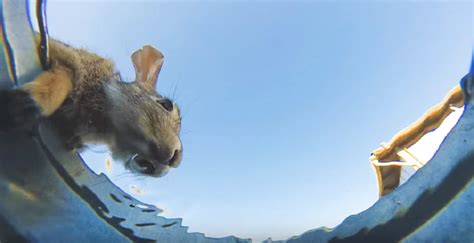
(282,101)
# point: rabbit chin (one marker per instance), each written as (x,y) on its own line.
(160,169)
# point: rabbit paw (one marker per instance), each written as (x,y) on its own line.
(74,143)
(18,110)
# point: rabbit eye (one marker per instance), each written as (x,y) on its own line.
(167,104)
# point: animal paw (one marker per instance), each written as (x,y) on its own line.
(18,110)
(74,143)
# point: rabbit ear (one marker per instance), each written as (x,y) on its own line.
(147,63)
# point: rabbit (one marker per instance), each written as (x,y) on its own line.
(84,97)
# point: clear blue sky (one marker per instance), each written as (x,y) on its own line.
(283,101)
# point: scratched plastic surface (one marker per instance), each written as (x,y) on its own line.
(49,195)
(18,44)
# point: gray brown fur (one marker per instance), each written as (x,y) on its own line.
(129,117)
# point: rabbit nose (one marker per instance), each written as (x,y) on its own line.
(170,154)
(175,160)
(175,154)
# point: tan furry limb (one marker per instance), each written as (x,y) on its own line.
(388,176)
(50,89)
